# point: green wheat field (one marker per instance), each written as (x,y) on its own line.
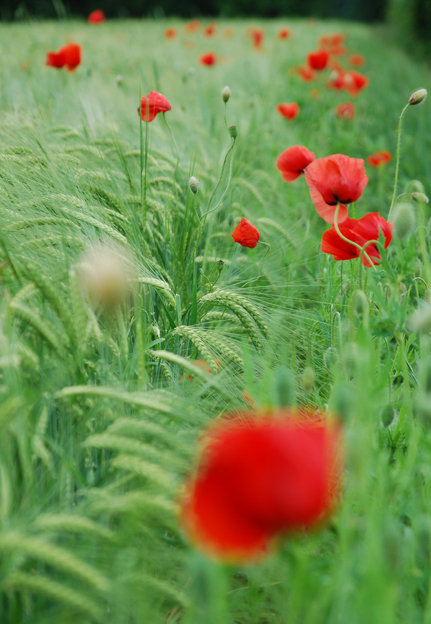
(100,410)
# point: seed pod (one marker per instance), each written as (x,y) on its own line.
(233,132)
(225,94)
(360,303)
(404,220)
(308,379)
(418,96)
(194,185)
(285,391)
(330,357)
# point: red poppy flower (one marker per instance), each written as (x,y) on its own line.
(289,111)
(261,476)
(359,231)
(318,60)
(345,110)
(306,74)
(283,33)
(336,80)
(354,82)
(357,60)
(210,30)
(153,104)
(192,26)
(379,158)
(257,35)
(246,234)
(170,33)
(208,59)
(328,41)
(68,56)
(333,180)
(96,17)
(337,50)
(293,161)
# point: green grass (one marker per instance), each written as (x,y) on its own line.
(97,427)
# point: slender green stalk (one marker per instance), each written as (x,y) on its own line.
(209,209)
(397,164)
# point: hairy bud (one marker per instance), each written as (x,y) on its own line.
(420,198)
(104,276)
(225,94)
(418,96)
(330,357)
(360,303)
(233,132)
(403,220)
(194,185)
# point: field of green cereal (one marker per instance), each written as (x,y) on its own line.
(100,410)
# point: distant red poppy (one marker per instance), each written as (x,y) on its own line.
(153,104)
(354,82)
(359,231)
(306,74)
(379,158)
(289,111)
(68,56)
(257,35)
(333,180)
(209,58)
(170,33)
(259,476)
(96,17)
(292,162)
(246,234)
(318,60)
(337,50)
(329,41)
(357,60)
(209,31)
(192,27)
(345,110)
(284,33)
(336,80)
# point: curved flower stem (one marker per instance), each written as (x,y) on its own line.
(261,266)
(361,249)
(397,165)
(209,209)
(225,115)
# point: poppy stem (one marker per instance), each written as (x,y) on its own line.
(209,210)
(268,246)
(174,143)
(397,165)
(361,249)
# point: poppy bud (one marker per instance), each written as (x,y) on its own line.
(420,198)
(387,415)
(350,357)
(308,379)
(233,132)
(330,357)
(225,94)
(404,220)
(343,401)
(285,391)
(418,96)
(194,185)
(360,303)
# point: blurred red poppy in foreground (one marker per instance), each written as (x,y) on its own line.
(357,60)
(208,59)
(153,104)
(379,158)
(259,476)
(96,17)
(283,33)
(289,111)
(345,110)
(292,162)
(359,231)
(318,60)
(170,33)
(333,180)
(68,56)
(246,234)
